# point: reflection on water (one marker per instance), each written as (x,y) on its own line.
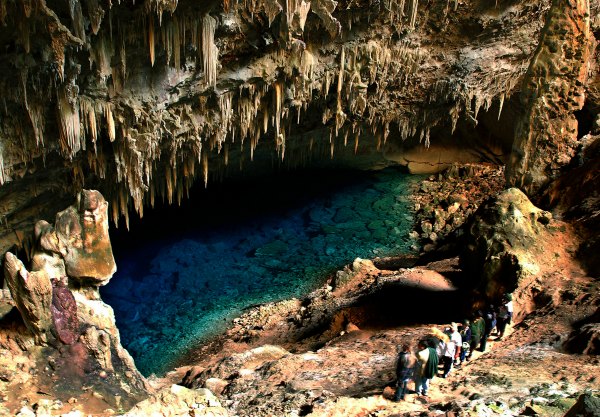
(184,273)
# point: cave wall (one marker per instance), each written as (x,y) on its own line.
(142,99)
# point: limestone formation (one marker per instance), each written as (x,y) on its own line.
(146,99)
(553,89)
(586,406)
(32,294)
(503,241)
(58,301)
(82,232)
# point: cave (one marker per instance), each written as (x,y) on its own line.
(233,187)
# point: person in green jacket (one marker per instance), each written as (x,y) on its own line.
(477,330)
(426,368)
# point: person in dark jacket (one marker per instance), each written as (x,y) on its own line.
(490,323)
(404,372)
(465,333)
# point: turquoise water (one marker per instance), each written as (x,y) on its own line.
(184,274)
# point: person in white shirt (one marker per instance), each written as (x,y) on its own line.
(457,339)
(449,350)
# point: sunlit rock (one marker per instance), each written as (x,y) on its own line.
(503,239)
(32,293)
(180,401)
(59,303)
(82,231)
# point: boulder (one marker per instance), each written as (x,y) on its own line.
(502,243)
(82,231)
(179,401)
(586,406)
(585,338)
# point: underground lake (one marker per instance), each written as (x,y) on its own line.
(185,272)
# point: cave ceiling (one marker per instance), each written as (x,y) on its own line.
(143,99)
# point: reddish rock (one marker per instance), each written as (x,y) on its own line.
(64,313)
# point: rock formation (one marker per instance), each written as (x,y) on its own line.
(59,303)
(503,243)
(553,89)
(141,100)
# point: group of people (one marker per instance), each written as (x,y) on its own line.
(449,348)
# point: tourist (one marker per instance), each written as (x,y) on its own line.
(505,313)
(447,357)
(465,334)
(477,330)
(404,372)
(437,340)
(426,368)
(490,323)
(457,339)
(509,306)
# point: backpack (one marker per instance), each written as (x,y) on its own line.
(432,364)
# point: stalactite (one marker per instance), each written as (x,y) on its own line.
(501,105)
(340,116)
(95,15)
(309,61)
(210,52)
(414,5)
(176,44)
(226,114)
(77,19)
(68,121)
(169,183)
(205,168)
(272,8)
(3,13)
(110,122)
(278,104)
(151,42)
(88,113)
(24,31)
(3,177)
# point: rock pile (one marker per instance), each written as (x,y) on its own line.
(443,202)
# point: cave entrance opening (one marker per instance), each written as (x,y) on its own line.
(185,272)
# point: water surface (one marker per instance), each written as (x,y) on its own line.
(184,273)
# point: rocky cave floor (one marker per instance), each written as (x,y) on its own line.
(333,352)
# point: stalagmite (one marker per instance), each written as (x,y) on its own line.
(210,52)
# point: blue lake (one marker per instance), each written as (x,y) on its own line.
(185,272)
